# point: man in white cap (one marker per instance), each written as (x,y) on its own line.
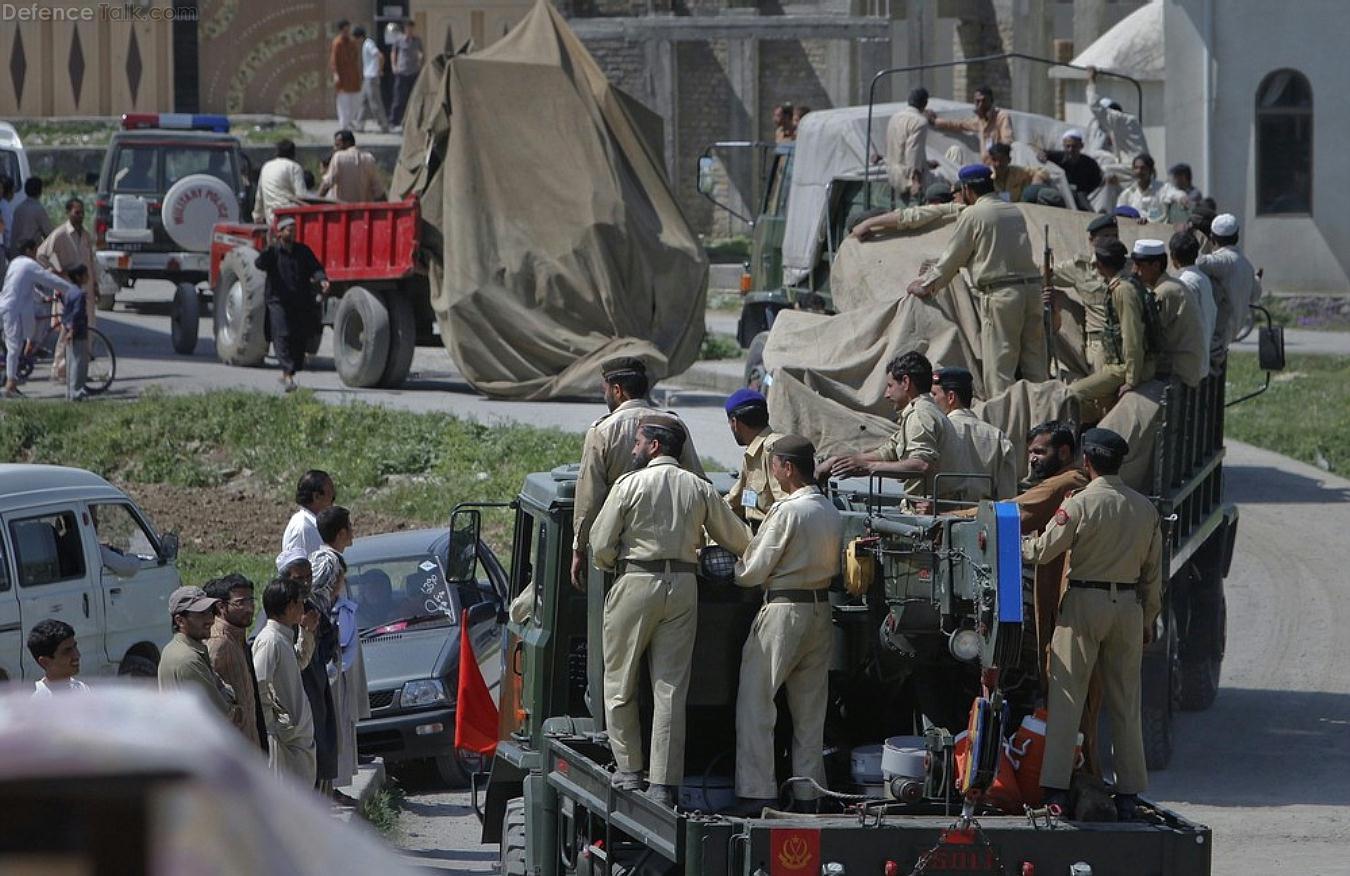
(1082,171)
(1181,324)
(1236,283)
(1117,131)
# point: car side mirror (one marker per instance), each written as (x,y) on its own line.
(482,611)
(462,565)
(91,179)
(168,546)
(705,175)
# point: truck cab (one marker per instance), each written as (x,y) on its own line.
(56,525)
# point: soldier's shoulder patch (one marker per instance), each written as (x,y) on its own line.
(1062,517)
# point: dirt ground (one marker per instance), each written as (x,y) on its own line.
(236,518)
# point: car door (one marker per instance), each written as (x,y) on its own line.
(12,645)
(135,607)
(484,601)
(55,581)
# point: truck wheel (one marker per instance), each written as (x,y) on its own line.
(108,287)
(402,339)
(138,666)
(361,338)
(240,314)
(184,318)
(452,770)
(1162,689)
(512,858)
(754,361)
(1200,671)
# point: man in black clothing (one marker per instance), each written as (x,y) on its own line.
(1082,171)
(292,272)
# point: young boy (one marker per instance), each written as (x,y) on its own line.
(75,331)
(290,724)
(52,644)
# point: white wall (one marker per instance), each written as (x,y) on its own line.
(1252,38)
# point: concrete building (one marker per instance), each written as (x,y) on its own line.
(1245,82)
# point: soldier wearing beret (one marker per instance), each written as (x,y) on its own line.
(755,489)
(648,532)
(794,557)
(1106,615)
(989,450)
(991,241)
(1128,360)
(606,451)
(1080,274)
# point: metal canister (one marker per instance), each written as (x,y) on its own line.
(1080,869)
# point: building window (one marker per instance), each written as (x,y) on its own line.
(1284,144)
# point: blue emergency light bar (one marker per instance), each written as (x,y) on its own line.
(175,121)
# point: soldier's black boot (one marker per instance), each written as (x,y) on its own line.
(1127,807)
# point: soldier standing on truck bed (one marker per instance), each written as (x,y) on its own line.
(990,239)
(1080,274)
(794,556)
(1105,617)
(648,532)
(755,489)
(606,452)
(1127,358)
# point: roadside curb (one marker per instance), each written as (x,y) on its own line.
(369,779)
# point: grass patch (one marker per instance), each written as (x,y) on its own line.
(197,567)
(267,132)
(728,250)
(1305,414)
(382,808)
(39,132)
(719,346)
(728,301)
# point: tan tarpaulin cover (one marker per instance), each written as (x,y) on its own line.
(555,239)
(828,371)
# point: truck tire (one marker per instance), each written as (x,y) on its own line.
(108,287)
(1200,671)
(361,338)
(1162,688)
(402,339)
(754,360)
(138,666)
(511,860)
(184,319)
(240,313)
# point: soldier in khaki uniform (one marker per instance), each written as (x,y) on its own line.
(1128,362)
(1080,274)
(755,490)
(649,531)
(794,556)
(953,392)
(606,451)
(923,445)
(1105,617)
(1185,352)
(990,240)
(935,209)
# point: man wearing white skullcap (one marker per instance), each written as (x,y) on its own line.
(1184,348)
(1082,171)
(1117,131)
(1237,285)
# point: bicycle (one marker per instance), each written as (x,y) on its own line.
(102,359)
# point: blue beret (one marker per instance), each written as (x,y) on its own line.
(744,399)
(1127,212)
(975,173)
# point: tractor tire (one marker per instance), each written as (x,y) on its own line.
(511,861)
(240,312)
(402,339)
(361,336)
(184,319)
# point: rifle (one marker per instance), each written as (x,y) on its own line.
(1048,310)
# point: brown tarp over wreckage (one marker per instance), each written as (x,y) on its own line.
(553,238)
(828,372)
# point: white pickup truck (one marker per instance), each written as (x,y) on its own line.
(75,548)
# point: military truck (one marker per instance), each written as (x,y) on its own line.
(941,626)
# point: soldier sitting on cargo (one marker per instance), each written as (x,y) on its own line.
(988,449)
(1181,324)
(1127,360)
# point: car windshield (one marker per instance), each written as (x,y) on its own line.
(155,168)
(400,589)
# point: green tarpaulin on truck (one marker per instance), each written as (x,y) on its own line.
(553,237)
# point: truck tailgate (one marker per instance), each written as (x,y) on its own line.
(367,241)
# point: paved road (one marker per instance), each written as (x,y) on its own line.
(1303,342)
(1264,767)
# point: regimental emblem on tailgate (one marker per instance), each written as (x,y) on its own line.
(794,852)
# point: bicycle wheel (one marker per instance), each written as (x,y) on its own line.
(44,351)
(102,363)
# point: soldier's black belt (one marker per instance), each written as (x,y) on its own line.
(1102,585)
(800,594)
(990,285)
(656,567)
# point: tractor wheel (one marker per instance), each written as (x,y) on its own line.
(361,335)
(240,313)
(184,319)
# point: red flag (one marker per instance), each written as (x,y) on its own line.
(475,712)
